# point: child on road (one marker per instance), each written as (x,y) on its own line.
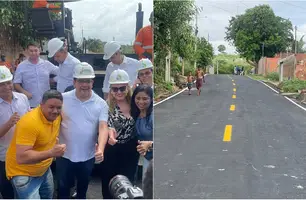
(189,82)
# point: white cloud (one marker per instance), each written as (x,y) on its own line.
(105,19)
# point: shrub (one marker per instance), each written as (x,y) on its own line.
(274,76)
(292,85)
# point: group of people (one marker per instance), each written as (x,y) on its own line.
(72,124)
(199,79)
(238,70)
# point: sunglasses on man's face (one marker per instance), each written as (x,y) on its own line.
(146,73)
(121,89)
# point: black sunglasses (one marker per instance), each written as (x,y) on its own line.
(146,73)
(122,89)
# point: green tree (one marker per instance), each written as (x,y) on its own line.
(221,48)
(94,45)
(259,29)
(171,26)
(205,52)
(12,22)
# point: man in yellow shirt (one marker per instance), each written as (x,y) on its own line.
(33,147)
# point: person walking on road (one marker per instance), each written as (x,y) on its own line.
(32,76)
(84,115)
(33,147)
(121,156)
(141,111)
(67,63)
(190,80)
(112,52)
(13,105)
(199,80)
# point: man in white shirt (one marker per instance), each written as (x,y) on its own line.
(84,115)
(32,76)
(112,52)
(67,63)
(12,106)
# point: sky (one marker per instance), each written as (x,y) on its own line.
(108,19)
(216,14)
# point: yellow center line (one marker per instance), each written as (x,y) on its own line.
(227,137)
(234,84)
(234,89)
(233,80)
(232,108)
(234,96)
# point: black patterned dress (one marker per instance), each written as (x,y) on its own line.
(121,158)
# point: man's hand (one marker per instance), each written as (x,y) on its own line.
(29,95)
(58,150)
(147,55)
(143,147)
(112,136)
(99,155)
(13,119)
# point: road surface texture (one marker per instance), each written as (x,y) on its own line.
(266,154)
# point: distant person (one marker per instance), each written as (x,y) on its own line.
(45,4)
(199,80)
(190,79)
(143,45)
(242,71)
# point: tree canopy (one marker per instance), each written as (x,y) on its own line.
(259,28)
(221,48)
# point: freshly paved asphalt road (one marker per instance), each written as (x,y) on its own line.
(266,157)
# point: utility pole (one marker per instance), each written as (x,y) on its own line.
(295,51)
(208,38)
(295,45)
(196,33)
(217,67)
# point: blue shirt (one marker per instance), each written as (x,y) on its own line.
(144,129)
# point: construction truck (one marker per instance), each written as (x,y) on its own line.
(45,27)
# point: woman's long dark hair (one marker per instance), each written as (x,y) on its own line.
(134,108)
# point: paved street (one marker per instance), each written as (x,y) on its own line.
(264,155)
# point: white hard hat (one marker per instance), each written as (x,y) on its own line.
(110,48)
(5,74)
(53,46)
(119,77)
(83,70)
(145,64)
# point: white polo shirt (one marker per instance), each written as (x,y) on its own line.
(20,104)
(130,65)
(64,78)
(35,78)
(80,123)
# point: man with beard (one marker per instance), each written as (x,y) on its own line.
(12,106)
(67,63)
(33,147)
(84,114)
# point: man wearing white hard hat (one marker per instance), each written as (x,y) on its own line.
(12,105)
(145,73)
(84,115)
(32,76)
(112,52)
(67,63)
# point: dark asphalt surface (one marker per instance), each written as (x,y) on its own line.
(266,157)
